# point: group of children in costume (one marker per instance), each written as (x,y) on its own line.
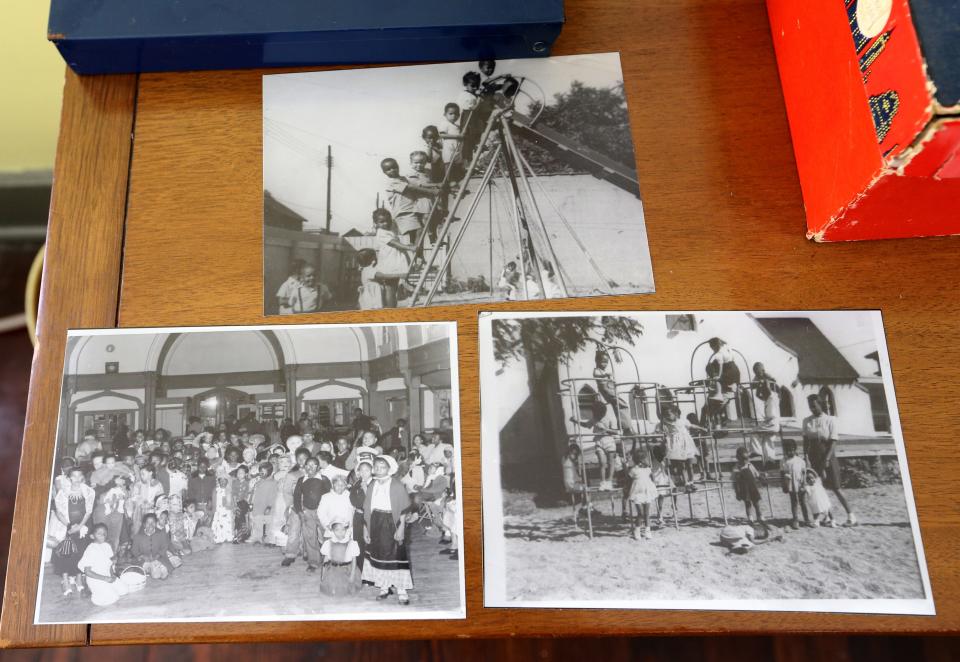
(147,508)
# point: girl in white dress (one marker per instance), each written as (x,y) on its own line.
(97,565)
(643,492)
(393,261)
(818,500)
(370,290)
(223,511)
(682,451)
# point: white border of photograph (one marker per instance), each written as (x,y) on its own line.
(588,243)
(400,614)
(494,560)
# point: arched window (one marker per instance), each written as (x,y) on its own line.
(829,402)
(786,403)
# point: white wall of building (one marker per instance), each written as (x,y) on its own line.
(853,407)
(664,356)
(92,352)
(219,353)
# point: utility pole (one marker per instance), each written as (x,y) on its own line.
(329,173)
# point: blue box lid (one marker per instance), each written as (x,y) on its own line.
(108,36)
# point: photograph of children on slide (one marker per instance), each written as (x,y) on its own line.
(247,473)
(449,183)
(713,460)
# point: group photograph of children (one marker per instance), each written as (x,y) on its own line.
(696,460)
(449,183)
(256,473)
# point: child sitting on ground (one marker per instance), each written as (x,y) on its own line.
(97,566)
(793,475)
(200,535)
(819,501)
(643,492)
(746,480)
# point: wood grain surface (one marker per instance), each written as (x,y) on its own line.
(726,230)
(81,278)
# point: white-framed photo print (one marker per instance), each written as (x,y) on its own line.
(467,182)
(740,460)
(256,473)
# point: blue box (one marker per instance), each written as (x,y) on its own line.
(119,36)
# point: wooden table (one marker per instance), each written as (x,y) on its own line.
(156,220)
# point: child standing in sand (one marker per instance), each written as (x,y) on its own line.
(794,482)
(660,474)
(643,492)
(746,479)
(819,501)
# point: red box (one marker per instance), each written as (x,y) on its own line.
(871,89)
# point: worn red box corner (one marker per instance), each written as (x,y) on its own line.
(871,90)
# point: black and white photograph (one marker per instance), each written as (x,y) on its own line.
(696,460)
(256,473)
(450,183)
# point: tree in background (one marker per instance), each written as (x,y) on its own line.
(542,343)
(545,340)
(595,117)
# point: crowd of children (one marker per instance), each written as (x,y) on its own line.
(141,509)
(647,468)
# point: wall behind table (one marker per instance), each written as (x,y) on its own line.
(31,75)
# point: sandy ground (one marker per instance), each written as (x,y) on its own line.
(550,558)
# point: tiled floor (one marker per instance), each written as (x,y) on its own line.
(262,588)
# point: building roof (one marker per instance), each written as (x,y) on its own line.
(819,361)
(277,214)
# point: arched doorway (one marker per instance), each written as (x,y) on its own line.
(219,405)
